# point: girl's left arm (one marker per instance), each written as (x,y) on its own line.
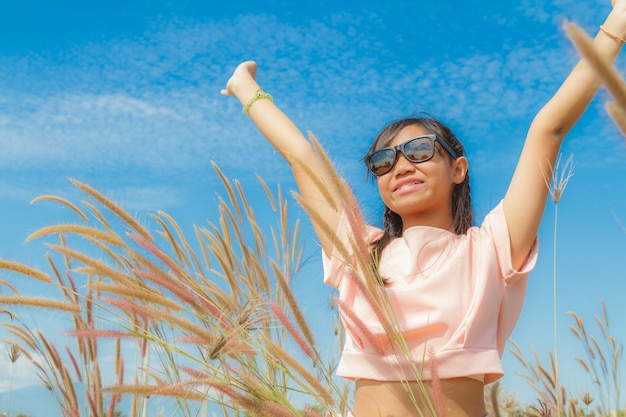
(526,197)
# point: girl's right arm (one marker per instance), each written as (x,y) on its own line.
(293,146)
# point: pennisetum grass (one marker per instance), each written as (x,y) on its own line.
(225,313)
(216,319)
(602,360)
(611,78)
(226,306)
(557,181)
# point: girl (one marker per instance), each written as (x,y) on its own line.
(455,290)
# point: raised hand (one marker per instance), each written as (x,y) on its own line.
(243,76)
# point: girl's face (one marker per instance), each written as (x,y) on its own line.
(420,193)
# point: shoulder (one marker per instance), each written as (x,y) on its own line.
(493,235)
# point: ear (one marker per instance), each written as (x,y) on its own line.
(459,169)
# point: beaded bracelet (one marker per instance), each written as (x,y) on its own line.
(258,95)
(612,35)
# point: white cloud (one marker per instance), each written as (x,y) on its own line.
(16,375)
(149,106)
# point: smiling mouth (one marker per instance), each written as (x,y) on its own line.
(409,184)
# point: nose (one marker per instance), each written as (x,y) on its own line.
(402,165)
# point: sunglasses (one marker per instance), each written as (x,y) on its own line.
(419,149)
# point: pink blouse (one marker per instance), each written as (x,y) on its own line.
(456,299)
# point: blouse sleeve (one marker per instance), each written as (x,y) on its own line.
(495,225)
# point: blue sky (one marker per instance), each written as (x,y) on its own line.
(125,97)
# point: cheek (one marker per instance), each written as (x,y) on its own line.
(383,189)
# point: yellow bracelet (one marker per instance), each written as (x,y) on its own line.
(612,35)
(258,95)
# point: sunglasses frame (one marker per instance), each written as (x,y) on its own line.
(400,148)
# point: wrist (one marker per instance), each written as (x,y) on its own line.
(612,35)
(614,28)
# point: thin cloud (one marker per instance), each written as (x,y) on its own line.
(150,104)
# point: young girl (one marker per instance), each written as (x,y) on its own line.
(456,290)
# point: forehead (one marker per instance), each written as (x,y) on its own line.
(407,133)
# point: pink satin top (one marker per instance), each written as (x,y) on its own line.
(456,299)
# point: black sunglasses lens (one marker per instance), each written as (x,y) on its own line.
(381,161)
(419,150)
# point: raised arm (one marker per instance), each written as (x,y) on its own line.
(291,144)
(526,197)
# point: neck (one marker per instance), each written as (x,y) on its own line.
(438,219)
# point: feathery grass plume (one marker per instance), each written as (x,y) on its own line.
(321,186)
(493,391)
(83,231)
(74,362)
(556,181)
(167,234)
(610,77)
(336,180)
(137,293)
(63,201)
(99,267)
(543,410)
(293,304)
(603,364)
(46,303)
(158,253)
(157,315)
(5,283)
(170,285)
(229,190)
(149,390)
(559,176)
(114,208)
(358,257)
(437,396)
(24,270)
(282,318)
(357,324)
(587,399)
(538,377)
(259,243)
(223,316)
(14,353)
(618,114)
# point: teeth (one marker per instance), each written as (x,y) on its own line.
(409,185)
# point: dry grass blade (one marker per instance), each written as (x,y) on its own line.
(137,293)
(618,115)
(611,78)
(287,324)
(114,208)
(83,231)
(268,193)
(336,179)
(229,191)
(293,304)
(98,266)
(63,201)
(167,234)
(323,188)
(283,356)
(7,284)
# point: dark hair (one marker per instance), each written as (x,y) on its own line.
(462,214)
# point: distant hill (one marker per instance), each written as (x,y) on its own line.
(32,401)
